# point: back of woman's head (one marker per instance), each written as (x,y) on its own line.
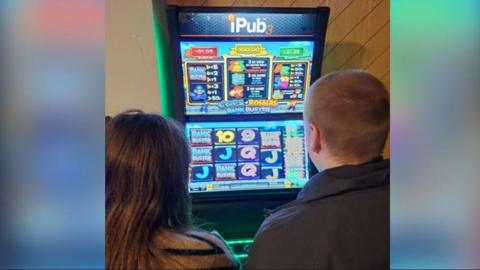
(147,158)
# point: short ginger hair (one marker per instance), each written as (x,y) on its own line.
(351,108)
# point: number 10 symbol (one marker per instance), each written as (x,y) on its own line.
(226,136)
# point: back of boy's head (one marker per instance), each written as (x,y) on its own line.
(351,108)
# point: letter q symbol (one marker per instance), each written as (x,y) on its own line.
(249,170)
(248,152)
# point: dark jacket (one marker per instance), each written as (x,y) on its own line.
(340,220)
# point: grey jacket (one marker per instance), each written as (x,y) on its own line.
(340,220)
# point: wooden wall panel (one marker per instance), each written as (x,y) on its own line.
(353,43)
(186,2)
(386,80)
(248,3)
(307,3)
(346,22)
(336,8)
(278,3)
(376,68)
(218,3)
(370,50)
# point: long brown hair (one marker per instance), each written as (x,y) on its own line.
(147,158)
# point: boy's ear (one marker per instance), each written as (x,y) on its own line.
(315,138)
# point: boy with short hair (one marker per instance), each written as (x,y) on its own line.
(340,219)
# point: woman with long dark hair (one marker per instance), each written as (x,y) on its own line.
(147,199)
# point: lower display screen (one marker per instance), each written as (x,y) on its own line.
(229,156)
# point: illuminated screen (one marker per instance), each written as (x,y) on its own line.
(245,77)
(228,156)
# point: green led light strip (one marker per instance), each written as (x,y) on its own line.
(165,76)
(239,241)
(241,256)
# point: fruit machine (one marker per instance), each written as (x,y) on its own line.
(240,79)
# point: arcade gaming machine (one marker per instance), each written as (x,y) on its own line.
(241,75)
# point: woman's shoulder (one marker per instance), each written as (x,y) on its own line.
(213,238)
(197,249)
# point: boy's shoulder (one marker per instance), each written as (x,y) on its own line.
(283,217)
(277,238)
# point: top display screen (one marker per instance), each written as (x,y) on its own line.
(226,77)
(245,63)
